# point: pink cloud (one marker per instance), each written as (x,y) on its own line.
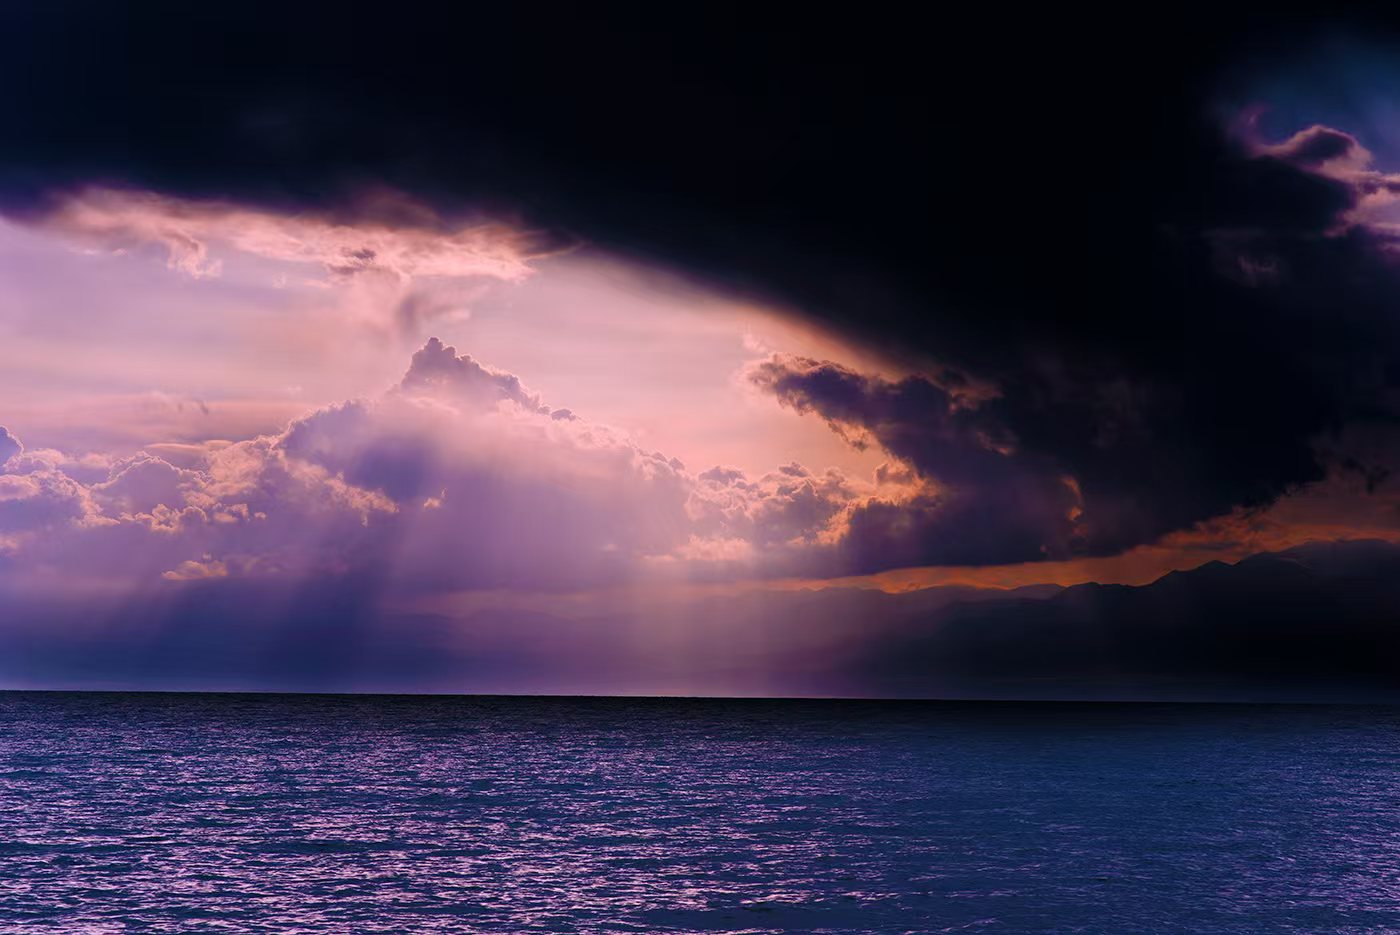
(456,478)
(115,220)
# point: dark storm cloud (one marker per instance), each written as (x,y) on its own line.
(1169,316)
(1260,319)
(993,505)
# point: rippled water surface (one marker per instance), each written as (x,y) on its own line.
(210,813)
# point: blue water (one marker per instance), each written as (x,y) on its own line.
(210,813)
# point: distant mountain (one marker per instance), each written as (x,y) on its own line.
(1318,621)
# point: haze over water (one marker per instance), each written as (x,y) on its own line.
(246,813)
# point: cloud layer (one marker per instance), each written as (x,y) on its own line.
(459,477)
(391,237)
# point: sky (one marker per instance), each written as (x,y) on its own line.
(341,359)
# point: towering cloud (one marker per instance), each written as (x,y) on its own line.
(437,368)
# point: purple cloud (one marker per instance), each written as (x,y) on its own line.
(979,499)
(436,368)
(9,446)
(455,479)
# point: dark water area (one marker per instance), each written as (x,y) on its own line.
(259,813)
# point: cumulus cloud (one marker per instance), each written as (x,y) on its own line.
(247,507)
(456,478)
(438,368)
(495,497)
(974,497)
(784,516)
(40,500)
(141,484)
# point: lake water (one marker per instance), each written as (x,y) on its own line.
(246,813)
